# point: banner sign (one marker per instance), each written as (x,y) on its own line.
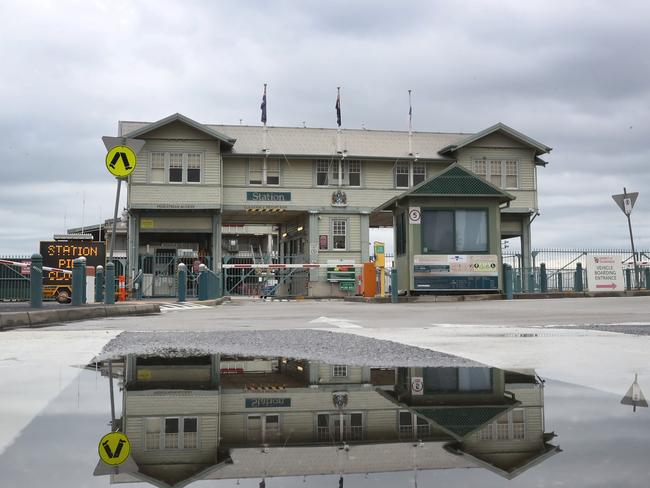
(605,273)
(456,272)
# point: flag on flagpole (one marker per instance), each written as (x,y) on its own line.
(410,112)
(263,106)
(338,106)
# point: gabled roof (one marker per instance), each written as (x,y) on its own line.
(184,120)
(461,421)
(454,181)
(499,127)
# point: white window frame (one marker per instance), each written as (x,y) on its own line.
(503,428)
(320,164)
(180,434)
(348,171)
(504,164)
(334,179)
(159,168)
(411,172)
(263,429)
(264,181)
(338,374)
(333,234)
(184,168)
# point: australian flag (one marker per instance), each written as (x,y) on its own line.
(263,106)
(338,109)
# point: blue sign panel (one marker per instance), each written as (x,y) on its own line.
(267,402)
(268,196)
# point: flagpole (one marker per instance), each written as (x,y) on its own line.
(410,126)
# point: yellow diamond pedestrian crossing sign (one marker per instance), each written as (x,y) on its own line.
(114,448)
(121,161)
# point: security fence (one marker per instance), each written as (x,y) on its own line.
(14,280)
(566,269)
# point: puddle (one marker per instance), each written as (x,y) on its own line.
(220,419)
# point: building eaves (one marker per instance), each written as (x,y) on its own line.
(229,141)
(538,146)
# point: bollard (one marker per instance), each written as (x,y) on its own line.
(77,282)
(99,284)
(543,278)
(393,285)
(559,282)
(137,285)
(203,282)
(109,284)
(84,281)
(578,285)
(646,273)
(36,281)
(516,279)
(628,279)
(182,282)
(219,279)
(378,278)
(531,282)
(507,281)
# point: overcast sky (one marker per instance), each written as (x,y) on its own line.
(572,75)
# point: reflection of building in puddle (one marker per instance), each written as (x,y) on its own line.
(223,417)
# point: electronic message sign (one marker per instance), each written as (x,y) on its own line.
(61,254)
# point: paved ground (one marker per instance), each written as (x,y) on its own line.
(246,313)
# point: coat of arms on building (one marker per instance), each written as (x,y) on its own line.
(340,399)
(339,199)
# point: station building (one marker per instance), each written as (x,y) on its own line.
(321,190)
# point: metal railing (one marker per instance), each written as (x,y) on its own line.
(14,280)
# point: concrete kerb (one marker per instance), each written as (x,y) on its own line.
(38,318)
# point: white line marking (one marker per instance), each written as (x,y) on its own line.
(340,323)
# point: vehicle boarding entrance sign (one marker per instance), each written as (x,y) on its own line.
(604,273)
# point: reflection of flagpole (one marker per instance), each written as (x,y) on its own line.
(410,126)
(338,119)
(263,118)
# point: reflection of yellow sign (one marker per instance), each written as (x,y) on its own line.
(114,448)
(144,374)
(147,224)
(121,161)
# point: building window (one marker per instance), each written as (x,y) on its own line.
(480,168)
(264,172)
(171,433)
(256,172)
(272,168)
(190,433)
(339,234)
(194,168)
(354,173)
(322,172)
(327,172)
(504,174)
(518,424)
(339,371)
(461,380)
(512,174)
(419,173)
(402,175)
(176,168)
(409,174)
(152,434)
(502,427)
(157,167)
(454,231)
(400,234)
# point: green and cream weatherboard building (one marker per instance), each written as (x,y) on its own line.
(322,190)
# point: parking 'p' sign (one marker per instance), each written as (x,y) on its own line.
(114,448)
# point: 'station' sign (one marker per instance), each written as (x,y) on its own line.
(61,254)
(267,402)
(268,196)
(604,273)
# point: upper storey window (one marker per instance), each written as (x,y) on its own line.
(339,172)
(501,173)
(264,172)
(175,167)
(409,173)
